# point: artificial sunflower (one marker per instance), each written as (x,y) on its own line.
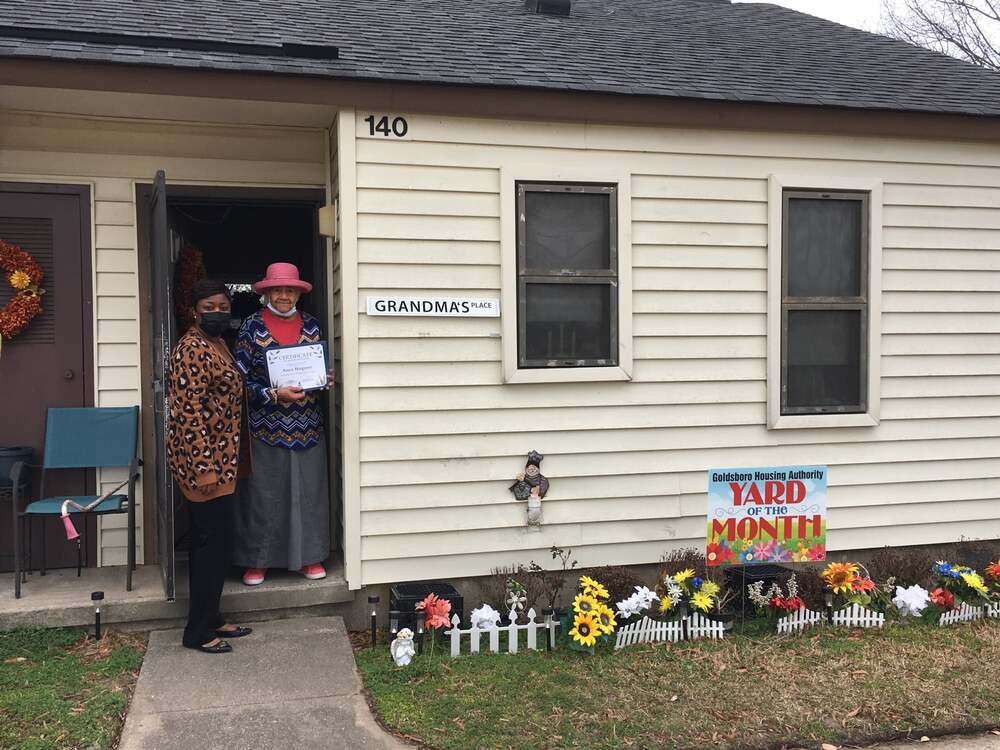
(710,587)
(701,600)
(840,576)
(585,629)
(975,582)
(584,604)
(606,619)
(593,588)
(666,604)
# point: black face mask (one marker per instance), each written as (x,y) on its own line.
(214,323)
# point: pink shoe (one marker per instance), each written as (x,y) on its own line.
(254,576)
(313,572)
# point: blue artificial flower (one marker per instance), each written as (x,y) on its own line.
(696,583)
(943,568)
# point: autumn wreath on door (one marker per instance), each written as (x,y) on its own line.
(25,275)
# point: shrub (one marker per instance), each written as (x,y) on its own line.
(909,566)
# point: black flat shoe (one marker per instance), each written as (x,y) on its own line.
(239,632)
(219,648)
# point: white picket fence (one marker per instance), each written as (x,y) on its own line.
(965,613)
(993,610)
(700,626)
(857,616)
(530,627)
(800,620)
(648,631)
(656,631)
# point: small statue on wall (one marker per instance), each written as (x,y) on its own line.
(530,485)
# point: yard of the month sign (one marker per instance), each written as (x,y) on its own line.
(766,514)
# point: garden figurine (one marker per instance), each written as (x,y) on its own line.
(402,648)
(531,486)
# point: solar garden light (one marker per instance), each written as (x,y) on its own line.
(393,622)
(549,614)
(828,601)
(373,601)
(420,632)
(97,597)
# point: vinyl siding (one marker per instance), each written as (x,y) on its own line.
(112,155)
(441,435)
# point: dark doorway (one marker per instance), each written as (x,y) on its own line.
(51,362)
(230,235)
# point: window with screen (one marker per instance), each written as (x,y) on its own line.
(824,302)
(567,275)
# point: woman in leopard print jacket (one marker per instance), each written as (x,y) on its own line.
(205,451)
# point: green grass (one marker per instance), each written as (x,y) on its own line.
(60,690)
(760,691)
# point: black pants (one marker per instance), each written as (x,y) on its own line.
(211,543)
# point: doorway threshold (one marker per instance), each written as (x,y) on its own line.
(60,599)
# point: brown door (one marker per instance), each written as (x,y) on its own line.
(49,363)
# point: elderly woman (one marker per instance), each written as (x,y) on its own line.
(283,508)
(205,454)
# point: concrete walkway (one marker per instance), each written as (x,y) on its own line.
(978,742)
(291,684)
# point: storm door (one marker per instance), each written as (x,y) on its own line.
(162,259)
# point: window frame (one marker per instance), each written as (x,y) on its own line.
(781,188)
(857,303)
(597,277)
(552,171)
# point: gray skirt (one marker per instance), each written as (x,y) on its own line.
(282,510)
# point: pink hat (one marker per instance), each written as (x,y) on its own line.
(282,274)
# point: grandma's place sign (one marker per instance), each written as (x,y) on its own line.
(467,307)
(773,514)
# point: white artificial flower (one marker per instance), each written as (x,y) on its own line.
(485,617)
(627,608)
(911,601)
(645,597)
(639,602)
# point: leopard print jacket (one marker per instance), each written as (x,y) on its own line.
(206,411)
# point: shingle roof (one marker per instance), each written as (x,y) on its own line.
(701,49)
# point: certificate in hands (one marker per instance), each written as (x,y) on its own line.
(302,365)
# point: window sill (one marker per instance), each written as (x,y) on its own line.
(812,421)
(568,375)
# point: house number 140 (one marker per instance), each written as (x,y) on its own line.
(397,126)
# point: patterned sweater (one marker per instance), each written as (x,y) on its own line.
(294,426)
(206,406)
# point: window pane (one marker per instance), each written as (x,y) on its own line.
(824,358)
(567,231)
(824,247)
(568,321)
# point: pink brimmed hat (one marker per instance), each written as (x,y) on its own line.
(282,274)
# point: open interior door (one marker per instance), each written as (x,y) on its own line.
(162,259)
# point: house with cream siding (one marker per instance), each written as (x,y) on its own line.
(717,234)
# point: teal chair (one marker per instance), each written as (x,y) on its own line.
(79,438)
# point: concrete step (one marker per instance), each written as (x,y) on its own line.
(60,599)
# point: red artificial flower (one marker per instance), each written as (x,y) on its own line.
(863,584)
(943,598)
(436,611)
(993,571)
(794,604)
